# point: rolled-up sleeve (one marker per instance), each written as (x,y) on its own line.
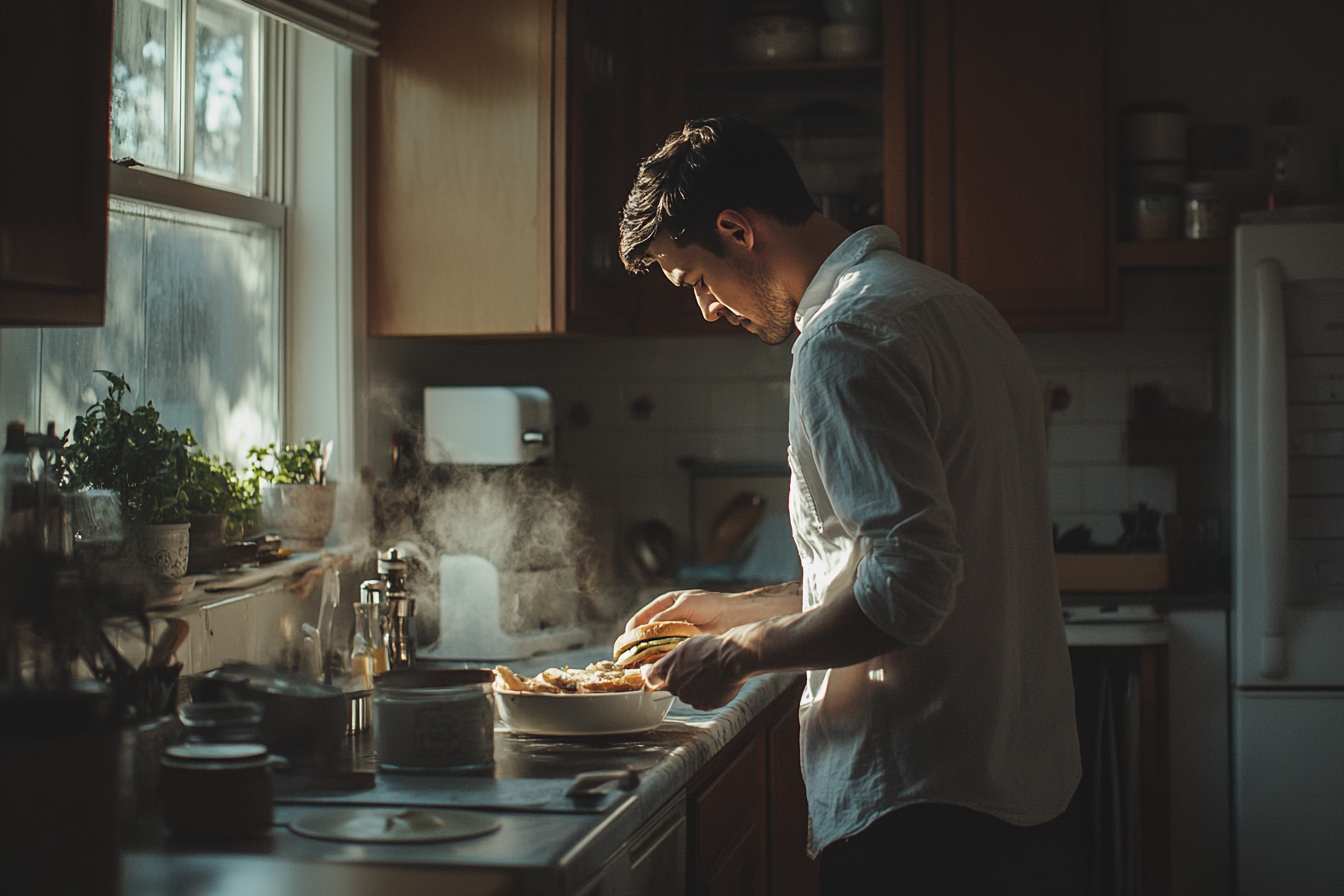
(868,408)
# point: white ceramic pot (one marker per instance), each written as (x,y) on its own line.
(164,549)
(301,515)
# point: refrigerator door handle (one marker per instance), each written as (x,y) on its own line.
(1272,414)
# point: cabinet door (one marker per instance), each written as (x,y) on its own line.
(1013,150)
(460,173)
(728,828)
(792,873)
(56,72)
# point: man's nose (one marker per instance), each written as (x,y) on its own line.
(709,306)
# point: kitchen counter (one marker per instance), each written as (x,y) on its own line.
(548,842)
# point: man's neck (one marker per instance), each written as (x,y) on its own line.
(799,252)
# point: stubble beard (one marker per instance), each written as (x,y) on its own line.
(776,309)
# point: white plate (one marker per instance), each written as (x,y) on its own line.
(394,825)
(621,712)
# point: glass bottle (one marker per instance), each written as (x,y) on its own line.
(368,655)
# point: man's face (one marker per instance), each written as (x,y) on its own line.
(735,287)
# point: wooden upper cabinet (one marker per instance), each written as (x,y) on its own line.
(55,85)
(1013,156)
(461,188)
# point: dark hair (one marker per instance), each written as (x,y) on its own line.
(709,165)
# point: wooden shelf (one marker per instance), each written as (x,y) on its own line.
(1173,254)
(790,74)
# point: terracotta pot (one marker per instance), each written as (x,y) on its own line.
(301,515)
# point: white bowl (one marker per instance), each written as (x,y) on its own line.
(620,712)
(847,41)
(775,39)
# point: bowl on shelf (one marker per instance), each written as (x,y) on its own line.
(846,40)
(774,38)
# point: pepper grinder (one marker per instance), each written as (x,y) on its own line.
(398,611)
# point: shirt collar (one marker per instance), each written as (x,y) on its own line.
(854,249)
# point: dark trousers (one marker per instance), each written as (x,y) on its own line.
(932,849)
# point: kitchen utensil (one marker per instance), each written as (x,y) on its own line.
(331,596)
(653,547)
(434,720)
(217,791)
(621,712)
(776,38)
(733,525)
(172,637)
(394,825)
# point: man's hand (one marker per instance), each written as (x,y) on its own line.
(704,609)
(716,612)
(706,671)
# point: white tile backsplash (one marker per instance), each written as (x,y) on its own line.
(1105,396)
(1066,489)
(1154,486)
(733,405)
(1087,443)
(1105,489)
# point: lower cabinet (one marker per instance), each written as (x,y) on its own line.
(747,811)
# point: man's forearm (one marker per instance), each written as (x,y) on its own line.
(767,603)
(832,636)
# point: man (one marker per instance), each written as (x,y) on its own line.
(944,728)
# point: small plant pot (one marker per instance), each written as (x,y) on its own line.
(301,515)
(207,530)
(164,549)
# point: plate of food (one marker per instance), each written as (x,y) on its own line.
(606,697)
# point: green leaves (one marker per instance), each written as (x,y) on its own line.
(131,453)
(286,464)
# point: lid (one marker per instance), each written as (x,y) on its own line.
(216,752)
(372,591)
(432,678)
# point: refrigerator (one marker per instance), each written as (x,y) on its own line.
(1287,615)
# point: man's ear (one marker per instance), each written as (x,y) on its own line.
(736,228)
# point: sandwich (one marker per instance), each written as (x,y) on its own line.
(644,644)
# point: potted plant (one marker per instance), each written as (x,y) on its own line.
(297,502)
(147,465)
(219,501)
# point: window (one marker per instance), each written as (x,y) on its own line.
(187,94)
(195,270)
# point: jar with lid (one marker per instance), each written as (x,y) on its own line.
(1155,212)
(217,791)
(1205,215)
(434,720)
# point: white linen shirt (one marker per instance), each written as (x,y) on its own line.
(918,458)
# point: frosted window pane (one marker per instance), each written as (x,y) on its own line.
(143,61)
(226,93)
(68,383)
(193,320)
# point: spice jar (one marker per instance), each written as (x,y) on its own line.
(217,791)
(1155,212)
(1205,217)
(434,720)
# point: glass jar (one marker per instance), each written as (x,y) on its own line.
(1155,212)
(1205,217)
(434,720)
